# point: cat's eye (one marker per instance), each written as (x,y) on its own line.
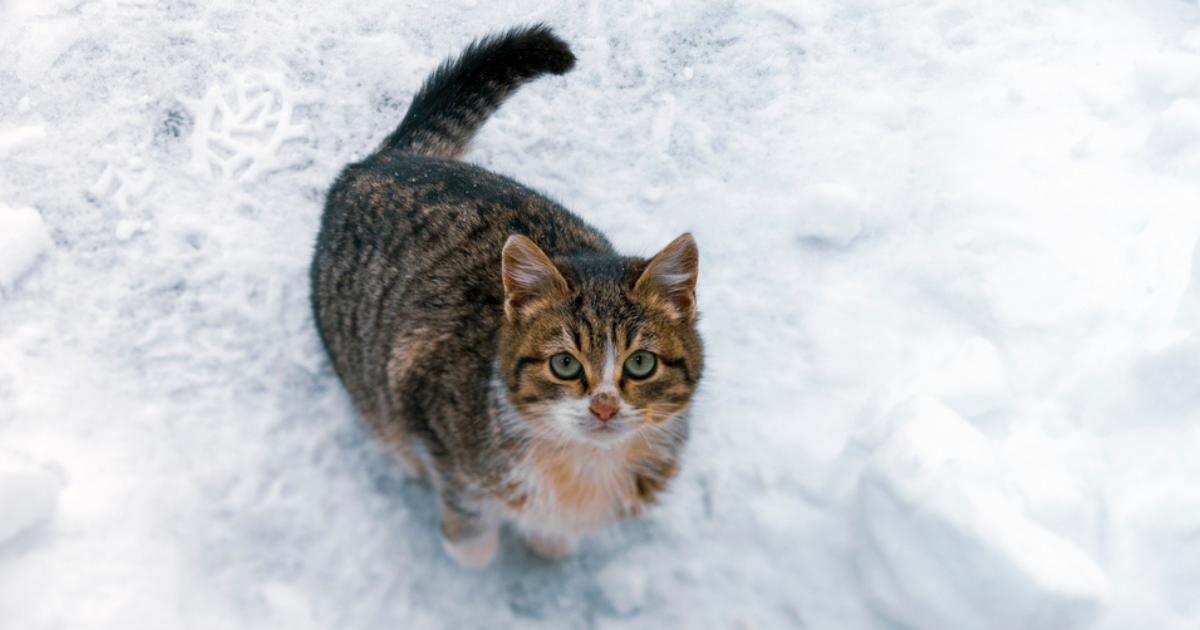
(565,366)
(640,364)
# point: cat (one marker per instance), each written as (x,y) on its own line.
(493,342)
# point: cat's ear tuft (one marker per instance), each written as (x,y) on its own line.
(529,276)
(670,277)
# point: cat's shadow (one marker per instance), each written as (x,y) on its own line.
(532,586)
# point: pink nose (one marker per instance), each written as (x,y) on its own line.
(604,406)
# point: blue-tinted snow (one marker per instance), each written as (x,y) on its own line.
(949,285)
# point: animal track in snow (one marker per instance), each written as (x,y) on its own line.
(239,139)
(125,176)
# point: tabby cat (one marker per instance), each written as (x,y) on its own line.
(493,341)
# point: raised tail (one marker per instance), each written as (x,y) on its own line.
(460,95)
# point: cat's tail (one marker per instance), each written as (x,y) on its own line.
(460,95)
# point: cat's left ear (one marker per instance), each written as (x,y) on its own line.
(529,276)
(670,277)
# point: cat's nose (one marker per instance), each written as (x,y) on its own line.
(604,406)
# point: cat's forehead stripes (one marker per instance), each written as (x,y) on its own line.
(599,346)
(610,363)
(602,322)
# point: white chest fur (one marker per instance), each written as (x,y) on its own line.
(572,489)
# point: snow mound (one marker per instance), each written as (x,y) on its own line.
(624,588)
(943,545)
(1170,74)
(289,607)
(23,237)
(1167,523)
(1177,128)
(972,380)
(830,213)
(28,496)
(1187,316)
(1170,377)
(20,138)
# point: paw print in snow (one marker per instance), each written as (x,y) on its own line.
(240,139)
(125,177)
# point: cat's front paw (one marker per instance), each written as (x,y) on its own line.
(474,553)
(551,547)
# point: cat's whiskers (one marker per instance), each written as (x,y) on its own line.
(645,438)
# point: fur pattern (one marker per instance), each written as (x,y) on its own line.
(442,292)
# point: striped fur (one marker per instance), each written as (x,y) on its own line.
(441,292)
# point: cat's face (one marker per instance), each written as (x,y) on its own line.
(595,350)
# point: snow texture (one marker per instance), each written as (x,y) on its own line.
(242,139)
(27,496)
(23,238)
(950,294)
(937,524)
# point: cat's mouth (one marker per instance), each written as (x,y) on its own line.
(608,432)
(577,422)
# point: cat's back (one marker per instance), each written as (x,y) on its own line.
(435,225)
(410,247)
(411,239)
(407,204)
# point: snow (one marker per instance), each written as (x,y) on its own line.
(950,293)
(27,495)
(624,588)
(938,524)
(23,238)
(829,213)
(239,140)
(14,140)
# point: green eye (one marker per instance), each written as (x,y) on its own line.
(640,364)
(565,366)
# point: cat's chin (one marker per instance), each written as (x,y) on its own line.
(604,434)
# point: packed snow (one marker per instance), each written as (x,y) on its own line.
(23,241)
(950,291)
(27,495)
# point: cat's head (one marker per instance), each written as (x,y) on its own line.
(596,348)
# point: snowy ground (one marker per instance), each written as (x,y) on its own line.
(950,286)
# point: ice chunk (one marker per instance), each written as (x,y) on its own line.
(128,228)
(23,237)
(126,176)
(943,545)
(27,496)
(624,587)
(291,609)
(17,139)
(830,213)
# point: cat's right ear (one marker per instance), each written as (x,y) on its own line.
(670,278)
(529,276)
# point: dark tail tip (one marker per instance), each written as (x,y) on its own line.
(460,95)
(536,46)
